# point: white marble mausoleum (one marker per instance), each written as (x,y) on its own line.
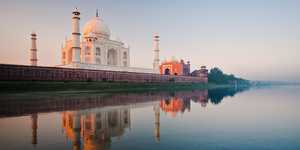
(95,49)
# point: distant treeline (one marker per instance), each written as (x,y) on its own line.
(217,76)
(277,83)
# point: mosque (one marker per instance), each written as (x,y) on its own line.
(95,49)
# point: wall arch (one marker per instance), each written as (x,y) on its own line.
(112,57)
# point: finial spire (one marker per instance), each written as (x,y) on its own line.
(97,13)
(76,11)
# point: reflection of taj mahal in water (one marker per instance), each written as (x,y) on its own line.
(110,117)
(95,121)
(94,129)
(91,130)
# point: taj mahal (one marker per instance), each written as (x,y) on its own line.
(92,54)
(95,49)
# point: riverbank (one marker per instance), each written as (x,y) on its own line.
(97,87)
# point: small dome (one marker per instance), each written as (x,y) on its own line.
(96,26)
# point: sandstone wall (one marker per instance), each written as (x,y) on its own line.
(32,73)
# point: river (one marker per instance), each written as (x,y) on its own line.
(255,118)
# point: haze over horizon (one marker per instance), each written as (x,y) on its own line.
(256,40)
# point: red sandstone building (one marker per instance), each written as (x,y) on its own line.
(202,73)
(175,67)
(180,68)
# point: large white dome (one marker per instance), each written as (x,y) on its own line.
(96,26)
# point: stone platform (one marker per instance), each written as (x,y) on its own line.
(10,72)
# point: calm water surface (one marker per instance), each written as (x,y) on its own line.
(258,118)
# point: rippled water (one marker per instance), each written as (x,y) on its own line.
(259,118)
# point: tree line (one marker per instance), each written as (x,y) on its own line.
(217,76)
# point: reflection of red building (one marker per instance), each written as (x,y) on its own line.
(174,105)
(181,103)
(174,67)
(201,98)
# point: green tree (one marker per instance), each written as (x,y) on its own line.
(217,76)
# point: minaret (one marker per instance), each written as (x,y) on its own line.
(33,50)
(75,37)
(156,54)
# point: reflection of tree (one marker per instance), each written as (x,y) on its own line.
(217,95)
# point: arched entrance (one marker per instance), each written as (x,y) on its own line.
(167,71)
(112,57)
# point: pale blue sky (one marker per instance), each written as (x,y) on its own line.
(257,39)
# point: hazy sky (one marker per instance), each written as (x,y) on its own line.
(254,39)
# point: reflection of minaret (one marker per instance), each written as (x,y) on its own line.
(157,123)
(71,122)
(34,126)
(76,128)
